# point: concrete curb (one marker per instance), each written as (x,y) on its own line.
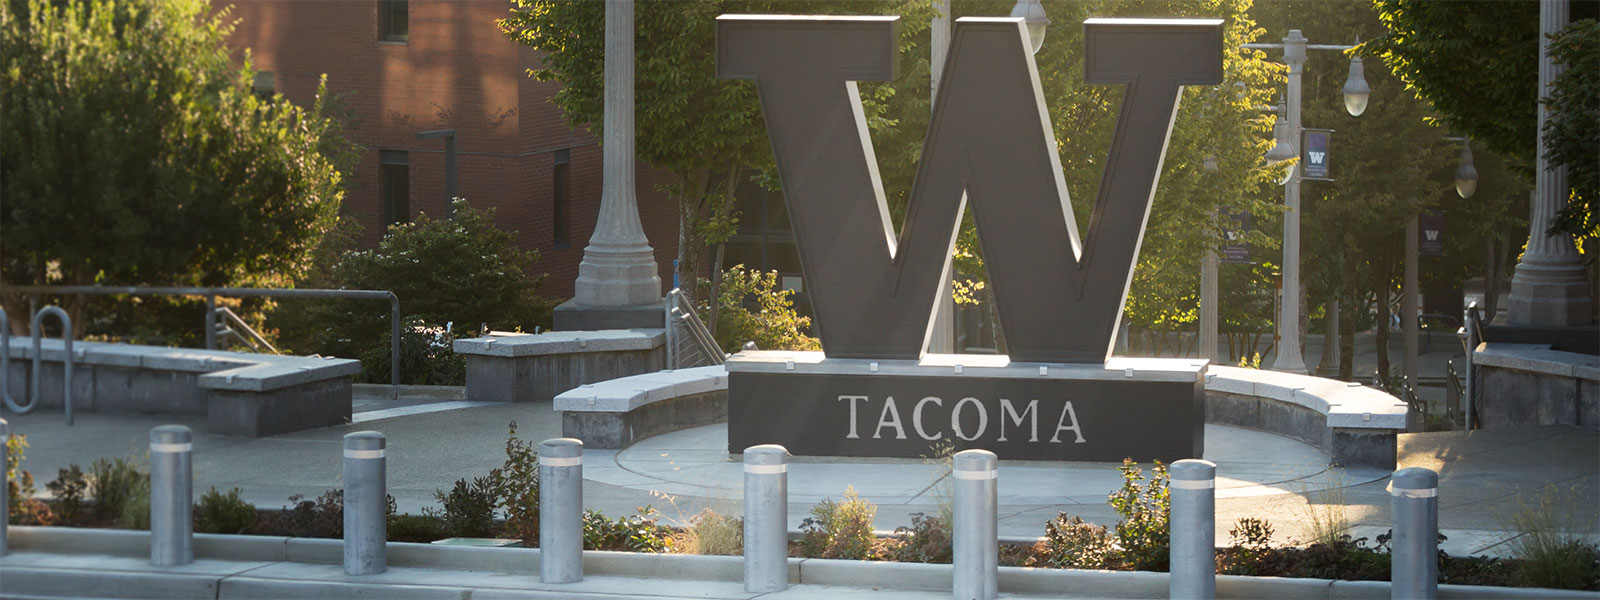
(23,579)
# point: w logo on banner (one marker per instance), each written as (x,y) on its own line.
(990,145)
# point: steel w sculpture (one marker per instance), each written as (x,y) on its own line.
(989,146)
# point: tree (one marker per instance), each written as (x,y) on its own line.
(755,309)
(1478,64)
(705,131)
(148,160)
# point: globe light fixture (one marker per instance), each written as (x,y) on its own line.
(1466,174)
(1356,90)
(1032,13)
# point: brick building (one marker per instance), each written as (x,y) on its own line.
(409,66)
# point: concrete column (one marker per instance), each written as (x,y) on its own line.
(1550,286)
(1288,350)
(1414,568)
(1408,305)
(171,496)
(766,515)
(1192,487)
(976,547)
(619,267)
(5,486)
(561,511)
(943,338)
(1208,306)
(366,503)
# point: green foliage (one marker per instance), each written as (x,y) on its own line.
(516,486)
(1251,539)
(702,130)
(319,518)
(1251,362)
(1574,106)
(462,274)
(1143,533)
(136,510)
(468,508)
(1072,543)
(117,484)
(753,308)
(21,507)
(145,143)
(639,532)
(419,529)
(840,529)
(70,489)
(223,513)
(926,541)
(710,532)
(427,356)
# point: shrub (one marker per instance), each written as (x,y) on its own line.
(422,528)
(117,482)
(468,508)
(1072,543)
(750,307)
(839,530)
(1550,549)
(426,356)
(21,506)
(224,513)
(70,489)
(638,532)
(1143,532)
(926,541)
(710,532)
(320,518)
(136,508)
(516,485)
(1251,539)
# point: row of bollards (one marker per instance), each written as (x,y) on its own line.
(975,474)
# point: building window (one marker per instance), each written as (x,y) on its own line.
(265,85)
(395,173)
(393,20)
(559,201)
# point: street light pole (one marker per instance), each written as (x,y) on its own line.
(1294,48)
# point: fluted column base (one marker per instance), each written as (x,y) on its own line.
(1550,294)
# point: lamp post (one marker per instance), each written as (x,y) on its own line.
(1356,93)
(943,339)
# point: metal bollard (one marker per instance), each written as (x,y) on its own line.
(977,524)
(561,511)
(1192,487)
(171,496)
(5,490)
(366,503)
(766,515)
(1414,569)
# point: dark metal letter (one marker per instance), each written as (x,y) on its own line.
(990,143)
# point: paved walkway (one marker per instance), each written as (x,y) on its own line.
(1484,474)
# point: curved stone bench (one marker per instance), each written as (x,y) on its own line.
(617,413)
(1356,425)
(243,394)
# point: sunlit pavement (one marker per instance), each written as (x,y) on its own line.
(1484,474)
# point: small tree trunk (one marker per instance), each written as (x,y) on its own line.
(1383,334)
(722,245)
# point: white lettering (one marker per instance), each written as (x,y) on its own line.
(1317,157)
(955,419)
(1433,234)
(852,400)
(890,417)
(1009,411)
(1061,424)
(916,417)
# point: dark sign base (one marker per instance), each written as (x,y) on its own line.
(912,415)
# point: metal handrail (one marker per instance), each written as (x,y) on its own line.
(36,332)
(211,294)
(678,311)
(254,339)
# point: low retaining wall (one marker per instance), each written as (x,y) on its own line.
(1356,425)
(1530,384)
(517,367)
(243,394)
(616,414)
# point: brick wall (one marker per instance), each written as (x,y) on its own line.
(456,71)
